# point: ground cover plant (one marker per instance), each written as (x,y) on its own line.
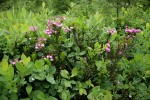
(75,55)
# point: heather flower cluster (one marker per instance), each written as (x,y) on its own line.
(33,28)
(40,44)
(13,62)
(108,47)
(49,56)
(68,29)
(111,31)
(130,31)
(52,25)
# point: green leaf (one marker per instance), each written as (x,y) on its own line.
(101,65)
(67,83)
(82,53)
(39,95)
(24,59)
(3,97)
(4,65)
(74,72)
(32,78)
(72,54)
(88,82)
(108,96)
(21,67)
(25,99)
(10,72)
(68,45)
(52,70)
(50,79)
(64,95)
(147,26)
(22,81)
(96,45)
(39,64)
(13,96)
(64,74)
(43,4)
(82,91)
(29,89)
(112,38)
(51,98)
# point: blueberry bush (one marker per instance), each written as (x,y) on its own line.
(75,55)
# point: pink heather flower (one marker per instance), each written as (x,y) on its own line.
(36,47)
(108,44)
(120,52)
(134,36)
(111,31)
(67,29)
(50,22)
(13,62)
(41,39)
(48,57)
(118,82)
(59,24)
(107,49)
(128,36)
(63,18)
(49,31)
(33,28)
(127,30)
(52,59)
(42,45)
(39,46)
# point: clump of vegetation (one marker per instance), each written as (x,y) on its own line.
(70,53)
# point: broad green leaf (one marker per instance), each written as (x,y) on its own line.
(64,74)
(51,98)
(24,59)
(32,78)
(52,70)
(74,72)
(26,99)
(10,72)
(82,91)
(29,89)
(21,67)
(68,44)
(64,95)
(39,95)
(13,96)
(3,97)
(112,38)
(39,64)
(3,79)
(88,82)
(108,96)
(72,54)
(67,83)
(96,45)
(82,53)
(101,65)
(147,26)
(43,4)
(22,81)
(4,65)
(50,79)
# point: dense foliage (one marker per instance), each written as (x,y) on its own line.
(74,50)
